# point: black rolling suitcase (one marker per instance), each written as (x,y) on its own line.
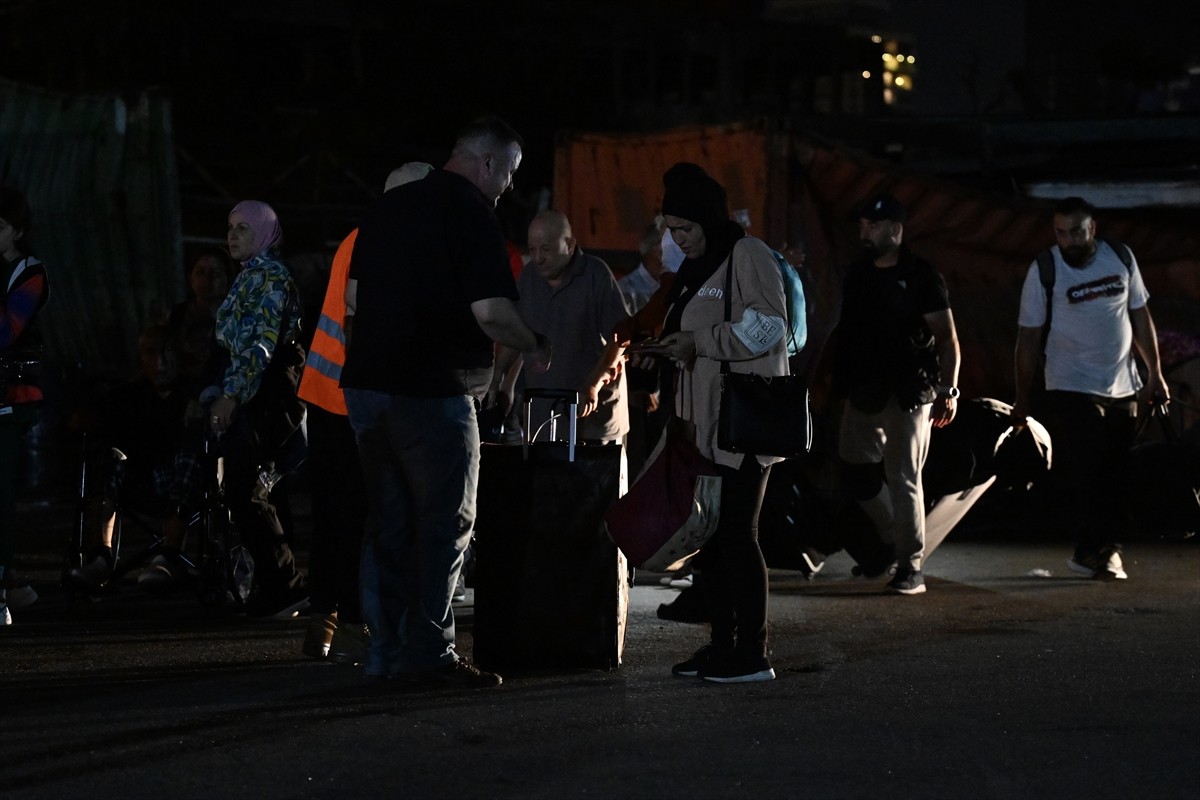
(551,589)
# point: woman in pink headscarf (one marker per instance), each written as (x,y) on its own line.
(262,306)
(257,415)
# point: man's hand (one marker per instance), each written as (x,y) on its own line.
(1019,413)
(589,396)
(944,409)
(497,397)
(539,360)
(221,413)
(640,361)
(589,400)
(193,412)
(1155,392)
(607,370)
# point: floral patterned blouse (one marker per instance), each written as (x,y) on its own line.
(262,307)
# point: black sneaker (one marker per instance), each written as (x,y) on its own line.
(699,660)
(284,605)
(732,667)
(461,673)
(95,573)
(907,581)
(350,643)
(1084,563)
(873,570)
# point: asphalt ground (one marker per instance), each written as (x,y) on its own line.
(1010,678)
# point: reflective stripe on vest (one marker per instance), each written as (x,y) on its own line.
(333,328)
(327,367)
(327,353)
(322,371)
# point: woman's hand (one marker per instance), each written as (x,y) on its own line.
(222,411)
(680,347)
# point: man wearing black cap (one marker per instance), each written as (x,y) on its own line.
(896,363)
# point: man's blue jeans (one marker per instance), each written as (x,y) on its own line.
(420,461)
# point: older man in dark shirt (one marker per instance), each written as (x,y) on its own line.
(573,298)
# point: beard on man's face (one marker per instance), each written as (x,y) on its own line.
(1077,255)
(870,248)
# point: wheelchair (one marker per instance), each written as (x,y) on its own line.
(213,560)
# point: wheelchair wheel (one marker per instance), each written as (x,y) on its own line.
(227,569)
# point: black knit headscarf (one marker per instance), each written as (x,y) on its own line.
(692,194)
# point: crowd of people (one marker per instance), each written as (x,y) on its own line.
(427,327)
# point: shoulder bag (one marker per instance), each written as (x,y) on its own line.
(761,415)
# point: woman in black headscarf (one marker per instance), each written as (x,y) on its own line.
(696,334)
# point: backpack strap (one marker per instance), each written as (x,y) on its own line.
(26,264)
(1122,250)
(1045,265)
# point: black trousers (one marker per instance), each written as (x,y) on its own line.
(731,565)
(1091,438)
(339,504)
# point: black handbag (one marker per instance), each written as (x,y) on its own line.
(762,415)
(276,412)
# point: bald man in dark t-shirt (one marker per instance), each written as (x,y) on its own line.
(434,292)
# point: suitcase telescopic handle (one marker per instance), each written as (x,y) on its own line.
(570,395)
(572,398)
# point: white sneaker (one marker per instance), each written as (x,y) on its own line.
(813,563)
(5,617)
(682,582)
(1112,569)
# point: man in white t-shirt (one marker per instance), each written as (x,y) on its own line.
(1096,316)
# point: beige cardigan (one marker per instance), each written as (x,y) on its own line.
(757,284)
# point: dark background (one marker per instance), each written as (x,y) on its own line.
(308,104)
